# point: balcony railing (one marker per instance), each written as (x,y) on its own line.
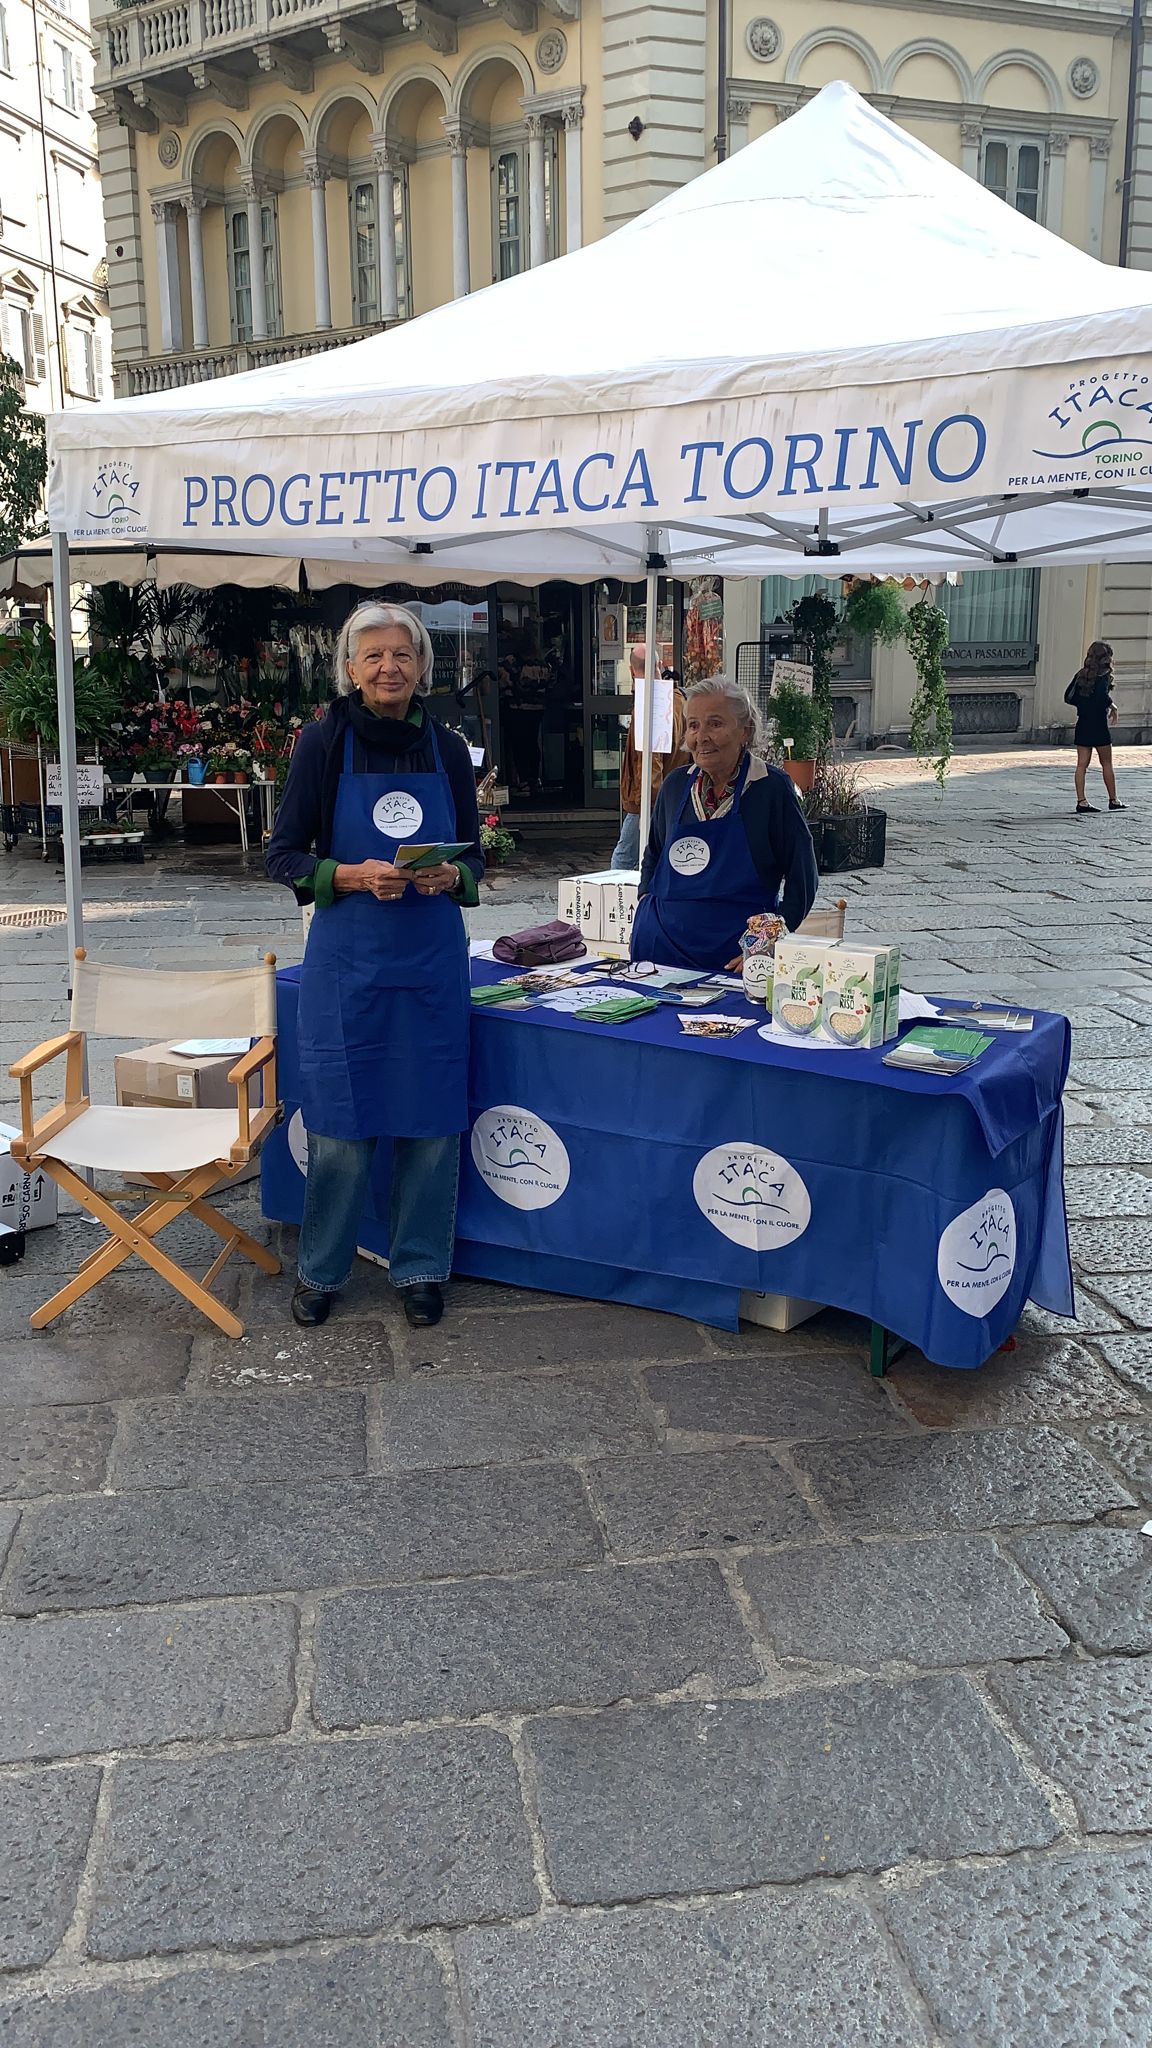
(145,374)
(137,40)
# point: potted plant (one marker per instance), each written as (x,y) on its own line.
(219,767)
(847,832)
(497,843)
(797,729)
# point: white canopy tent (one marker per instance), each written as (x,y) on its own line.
(870,363)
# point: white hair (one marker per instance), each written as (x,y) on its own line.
(722,686)
(372,614)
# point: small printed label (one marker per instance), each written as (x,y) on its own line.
(398,815)
(186,1087)
(298,1142)
(977,1254)
(689,856)
(520,1157)
(752,1196)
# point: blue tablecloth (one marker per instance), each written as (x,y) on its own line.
(631,1163)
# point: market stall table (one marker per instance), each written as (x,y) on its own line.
(636,1164)
(234,796)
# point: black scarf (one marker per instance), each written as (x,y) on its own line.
(394,736)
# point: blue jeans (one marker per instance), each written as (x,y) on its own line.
(422,1216)
(627,854)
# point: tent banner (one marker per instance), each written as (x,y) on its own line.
(227,480)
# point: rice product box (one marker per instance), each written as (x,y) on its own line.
(855,1005)
(892,1011)
(798,971)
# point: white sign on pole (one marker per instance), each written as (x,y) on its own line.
(89,783)
(798,674)
(662,720)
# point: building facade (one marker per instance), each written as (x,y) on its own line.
(283,175)
(53,276)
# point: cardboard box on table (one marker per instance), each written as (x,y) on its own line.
(155,1077)
(603,905)
(27,1200)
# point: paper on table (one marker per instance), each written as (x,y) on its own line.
(788,1038)
(568,1000)
(913,1006)
(211,1048)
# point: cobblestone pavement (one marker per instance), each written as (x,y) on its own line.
(576,1677)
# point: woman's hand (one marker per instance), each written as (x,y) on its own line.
(378,878)
(436,881)
(1111,714)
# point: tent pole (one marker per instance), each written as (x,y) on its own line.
(650,599)
(66,718)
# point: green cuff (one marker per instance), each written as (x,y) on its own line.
(324,884)
(466,891)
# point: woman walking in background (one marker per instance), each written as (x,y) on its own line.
(1090,694)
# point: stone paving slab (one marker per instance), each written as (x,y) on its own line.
(336,1838)
(990,1480)
(60,1371)
(1131,1357)
(388,1996)
(494,1646)
(220,1541)
(428,1423)
(809,1971)
(88,1683)
(1107,1191)
(1121,1247)
(531,1338)
(1050,1953)
(213,1440)
(683,1799)
(937,1601)
(1044,1379)
(1089,1727)
(341,1353)
(45,1822)
(705,1500)
(54,1450)
(1129,1446)
(1099,1582)
(1129,1294)
(780,1398)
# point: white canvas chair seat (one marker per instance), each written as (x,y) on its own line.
(184,1155)
(145,1140)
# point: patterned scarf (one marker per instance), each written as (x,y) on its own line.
(710,802)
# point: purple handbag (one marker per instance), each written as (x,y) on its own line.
(543,945)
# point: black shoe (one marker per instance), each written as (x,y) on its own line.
(310,1306)
(1116,805)
(1081,808)
(423,1303)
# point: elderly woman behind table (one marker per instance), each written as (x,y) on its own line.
(728,836)
(384,999)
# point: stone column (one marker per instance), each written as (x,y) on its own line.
(252,201)
(573,178)
(164,214)
(739,114)
(1099,147)
(537,229)
(1054,202)
(387,164)
(971,134)
(317,177)
(194,208)
(458,140)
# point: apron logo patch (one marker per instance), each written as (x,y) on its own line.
(752,1196)
(398,815)
(520,1157)
(976,1257)
(689,856)
(298,1141)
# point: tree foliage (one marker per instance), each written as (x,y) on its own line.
(22,462)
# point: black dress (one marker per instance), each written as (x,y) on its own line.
(1092,701)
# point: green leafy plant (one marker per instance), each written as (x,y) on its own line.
(816,621)
(874,611)
(793,715)
(496,841)
(835,791)
(22,461)
(930,733)
(28,693)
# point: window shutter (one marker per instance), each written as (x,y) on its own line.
(39,350)
(5,343)
(97,366)
(73,360)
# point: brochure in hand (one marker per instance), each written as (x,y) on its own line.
(938,1049)
(413,857)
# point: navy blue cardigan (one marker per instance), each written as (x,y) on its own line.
(778,839)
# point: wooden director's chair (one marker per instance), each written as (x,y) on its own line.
(187,1154)
(824,924)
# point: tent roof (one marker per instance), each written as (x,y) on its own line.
(859,335)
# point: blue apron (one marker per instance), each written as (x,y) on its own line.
(705,888)
(384,996)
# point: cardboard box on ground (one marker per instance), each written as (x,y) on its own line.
(155,1077)
(27,1200)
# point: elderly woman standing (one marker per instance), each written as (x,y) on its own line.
(384,999)
(727,835)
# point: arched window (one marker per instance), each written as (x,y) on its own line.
(365,244)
